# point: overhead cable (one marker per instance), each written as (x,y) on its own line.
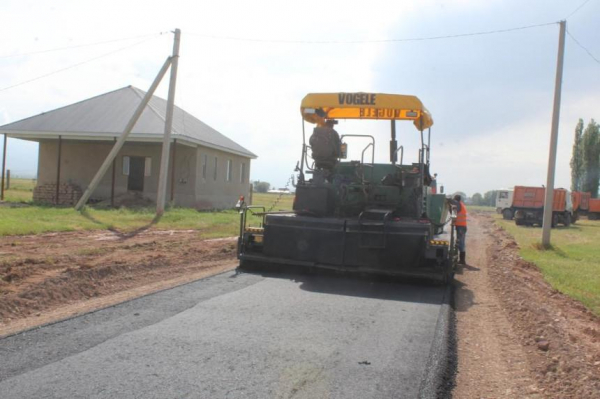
(414,39)
(584,48)
(577,9)
(74,65)
(81,45)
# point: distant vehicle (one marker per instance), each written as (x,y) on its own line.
(280,191)
(528,206)
(581,204)
(504,201)
(594,211)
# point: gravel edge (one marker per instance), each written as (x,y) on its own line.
(439,379)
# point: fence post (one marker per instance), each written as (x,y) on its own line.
(8,179)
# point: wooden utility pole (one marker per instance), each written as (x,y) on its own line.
(119,144)
(164,159)
(3,169)
(548,203)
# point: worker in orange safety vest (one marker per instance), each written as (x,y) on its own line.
(461,226)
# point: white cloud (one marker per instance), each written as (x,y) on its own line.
(516,154)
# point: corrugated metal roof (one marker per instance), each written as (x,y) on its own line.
(107,115)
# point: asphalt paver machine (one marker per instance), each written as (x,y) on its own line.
(357,216)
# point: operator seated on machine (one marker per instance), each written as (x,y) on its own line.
(325,144)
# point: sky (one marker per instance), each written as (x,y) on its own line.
(245,66)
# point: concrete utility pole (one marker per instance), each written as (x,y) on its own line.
(3,168)
(548,203)
(119,144)
(164,159)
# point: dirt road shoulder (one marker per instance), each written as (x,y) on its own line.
(50,277)
(518,337)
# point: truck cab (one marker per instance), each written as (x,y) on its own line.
(504,201)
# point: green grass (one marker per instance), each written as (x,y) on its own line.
(21,190)
(282,203)
(41,219)
(572,265)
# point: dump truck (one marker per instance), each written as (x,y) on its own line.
(528,206)
(581,204)
(594,209)
(357,216)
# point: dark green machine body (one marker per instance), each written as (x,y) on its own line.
(358,217)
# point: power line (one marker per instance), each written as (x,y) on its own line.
(577,9)
(73,66)
(80,45)
(584,49)
(415,39)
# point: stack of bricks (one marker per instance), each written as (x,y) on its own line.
(68,194)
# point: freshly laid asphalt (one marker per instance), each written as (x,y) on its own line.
(236,336)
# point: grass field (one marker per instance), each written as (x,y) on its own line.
(572,266)
(21,190)
(35,219)
(41,219)
(282,202)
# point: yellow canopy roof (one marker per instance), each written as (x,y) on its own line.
(317,107)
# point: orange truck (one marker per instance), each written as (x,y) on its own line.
(594,211)
(581,203)
(528,206)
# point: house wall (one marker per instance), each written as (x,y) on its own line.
(81,160)
(219,192)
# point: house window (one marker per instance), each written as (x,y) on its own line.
(242,172)
(204,165)
(229,170)
(126,166)
(215,171)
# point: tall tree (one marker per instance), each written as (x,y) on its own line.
(577,171)
(261,186)
(591,158)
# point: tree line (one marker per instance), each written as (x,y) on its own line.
(585,159)
(487,199)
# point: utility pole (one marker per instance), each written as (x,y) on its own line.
(119,143)
(3,168)
(164,159)
(548,203)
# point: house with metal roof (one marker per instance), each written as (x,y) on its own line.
(207,169)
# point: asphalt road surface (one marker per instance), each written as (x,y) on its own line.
(235,336)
